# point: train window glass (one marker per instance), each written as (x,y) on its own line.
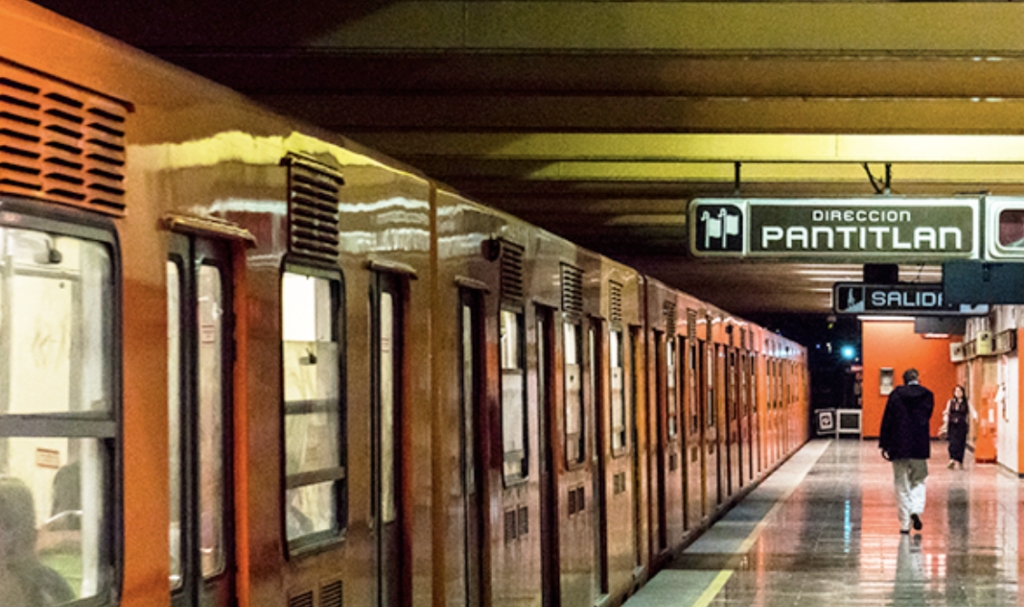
(315,474)
(387,408)
(57,413)
(670,376)
(574,451)
(619,413)
(174,417)
(468,396)
(211,420)
(513,396)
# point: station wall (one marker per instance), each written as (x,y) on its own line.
(894,345)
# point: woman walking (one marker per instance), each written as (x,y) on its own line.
(956,421)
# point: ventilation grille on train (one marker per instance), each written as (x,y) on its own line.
(313,216)
(303,599)
(330,595)
(572,289)
(615,293)
(60,143)
(670,317)
(511,271)
(691,323)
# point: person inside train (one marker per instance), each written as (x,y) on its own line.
(66,510)
(905,440)
(37,584)
(956,421)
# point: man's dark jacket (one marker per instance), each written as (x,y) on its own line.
(905,424)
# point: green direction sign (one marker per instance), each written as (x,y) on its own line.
(902,298)
(853,229)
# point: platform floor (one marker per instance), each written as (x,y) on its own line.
(822,532)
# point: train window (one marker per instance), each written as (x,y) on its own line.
(513,396)
(57,412)
(313,409)
(670,377)
(574,414)
(174,419)
(619,406)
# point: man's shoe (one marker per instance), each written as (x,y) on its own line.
(951,464)
(917,522)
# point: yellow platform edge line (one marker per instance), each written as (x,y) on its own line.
(713,589)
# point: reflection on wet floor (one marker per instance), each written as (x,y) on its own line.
(823,531)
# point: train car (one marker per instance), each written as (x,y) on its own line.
(250,362)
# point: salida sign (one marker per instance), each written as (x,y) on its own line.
(852,228)
(913,299)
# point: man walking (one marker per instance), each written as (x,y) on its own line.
(906,441)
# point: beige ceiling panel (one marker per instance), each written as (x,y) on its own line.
(698,27)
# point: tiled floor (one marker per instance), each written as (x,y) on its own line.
(822,531)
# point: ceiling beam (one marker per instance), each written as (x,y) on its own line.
(787,148)
(654,114)
(751,173)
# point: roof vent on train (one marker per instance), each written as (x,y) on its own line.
(60,142)
(572,289)
(314,222)
(669,312)
(511,270)
(615,302)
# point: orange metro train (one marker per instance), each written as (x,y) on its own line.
(249,362)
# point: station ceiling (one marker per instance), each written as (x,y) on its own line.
(600,121)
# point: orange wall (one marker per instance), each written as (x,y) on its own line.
(894,344)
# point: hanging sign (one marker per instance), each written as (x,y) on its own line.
(904,299)
(851,229)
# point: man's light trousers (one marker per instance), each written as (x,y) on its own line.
(909,476)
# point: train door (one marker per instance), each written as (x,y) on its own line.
(746,419)
(675,504)
(733,479)
(658,439)
(635,357)
(691,430)
(595,350)
(549,523)
(768,438)
(471,389)
(578,518)
(720,380)
(755,419)
(774,417)
(200,369)
(711,468)
(387,314)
